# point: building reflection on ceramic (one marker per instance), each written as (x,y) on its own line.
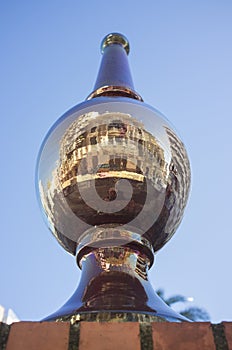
(101,149)
(113,180)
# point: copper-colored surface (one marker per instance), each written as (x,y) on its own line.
(228,333)
(113,91)
(183,336)
(105,336)
(38,336)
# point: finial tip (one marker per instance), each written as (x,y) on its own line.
(115,38)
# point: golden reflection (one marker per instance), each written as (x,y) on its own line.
(113,180)
(98,151)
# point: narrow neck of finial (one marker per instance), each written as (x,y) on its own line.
(114,76)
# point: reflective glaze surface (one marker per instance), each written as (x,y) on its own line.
(114,286)
(112,163)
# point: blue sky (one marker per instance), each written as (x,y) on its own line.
(181,64)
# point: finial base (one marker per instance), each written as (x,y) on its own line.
(114,285)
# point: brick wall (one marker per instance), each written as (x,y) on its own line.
(115,336)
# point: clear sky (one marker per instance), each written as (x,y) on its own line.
(181,62)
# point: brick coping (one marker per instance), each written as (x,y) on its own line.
(116,335)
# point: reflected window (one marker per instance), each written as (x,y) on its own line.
(93,140)
(115,124)
(69,155)
(111,139)
(124,163)
(93,129)
(118,139)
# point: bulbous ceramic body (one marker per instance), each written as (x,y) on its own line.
(112,169)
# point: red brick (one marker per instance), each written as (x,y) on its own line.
(183,336)
(228,333)
(113,336)
(38,336)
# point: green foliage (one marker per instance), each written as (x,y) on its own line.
(193,313)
